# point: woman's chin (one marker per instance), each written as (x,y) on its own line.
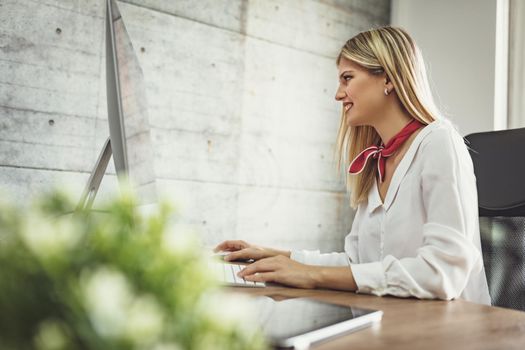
(353,121)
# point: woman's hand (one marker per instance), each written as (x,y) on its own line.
(274,265)
(242,250)
(282,269)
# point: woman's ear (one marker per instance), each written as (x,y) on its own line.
(388,84)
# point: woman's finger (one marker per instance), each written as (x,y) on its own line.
(263,265)
(239,254)
(262,277)
(221,246)
(230,245)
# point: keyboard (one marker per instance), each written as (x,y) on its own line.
(227,274)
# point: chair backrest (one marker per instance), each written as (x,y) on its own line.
(499,165)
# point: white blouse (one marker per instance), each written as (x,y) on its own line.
(424,240)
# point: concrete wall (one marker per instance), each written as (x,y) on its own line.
(241,97)
(458,40)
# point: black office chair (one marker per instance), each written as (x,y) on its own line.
(499,165)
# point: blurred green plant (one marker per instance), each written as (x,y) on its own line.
(112,280)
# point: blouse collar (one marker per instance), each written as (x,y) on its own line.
(374,200)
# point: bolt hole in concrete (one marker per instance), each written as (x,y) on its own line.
(142,49)
(51,122)
(58,30)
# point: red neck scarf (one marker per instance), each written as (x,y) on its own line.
(382,152)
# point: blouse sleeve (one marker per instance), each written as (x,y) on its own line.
(314,257)
(447,256)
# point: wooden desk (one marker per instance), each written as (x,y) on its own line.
(418,324)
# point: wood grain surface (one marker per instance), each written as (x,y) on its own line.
(417,324)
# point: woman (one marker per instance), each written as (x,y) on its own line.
(415,232)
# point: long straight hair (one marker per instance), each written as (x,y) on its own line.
(392,51)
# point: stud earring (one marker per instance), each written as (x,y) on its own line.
(386,92)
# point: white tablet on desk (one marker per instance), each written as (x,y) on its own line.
(300,322)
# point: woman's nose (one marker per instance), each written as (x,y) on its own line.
(339,95)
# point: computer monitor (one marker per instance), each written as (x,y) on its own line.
(129,130)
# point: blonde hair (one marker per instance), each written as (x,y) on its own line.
(392,51)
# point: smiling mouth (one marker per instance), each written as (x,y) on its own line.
(348,106)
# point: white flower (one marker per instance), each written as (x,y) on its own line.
(107,295)
(46,236)
(51,335)
(179,240)
(145,320)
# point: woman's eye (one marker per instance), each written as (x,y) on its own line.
(347,77)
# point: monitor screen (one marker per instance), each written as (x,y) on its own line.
(128,120)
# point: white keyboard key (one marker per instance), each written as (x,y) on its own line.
(227,273)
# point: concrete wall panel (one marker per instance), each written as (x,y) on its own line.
(241,105)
